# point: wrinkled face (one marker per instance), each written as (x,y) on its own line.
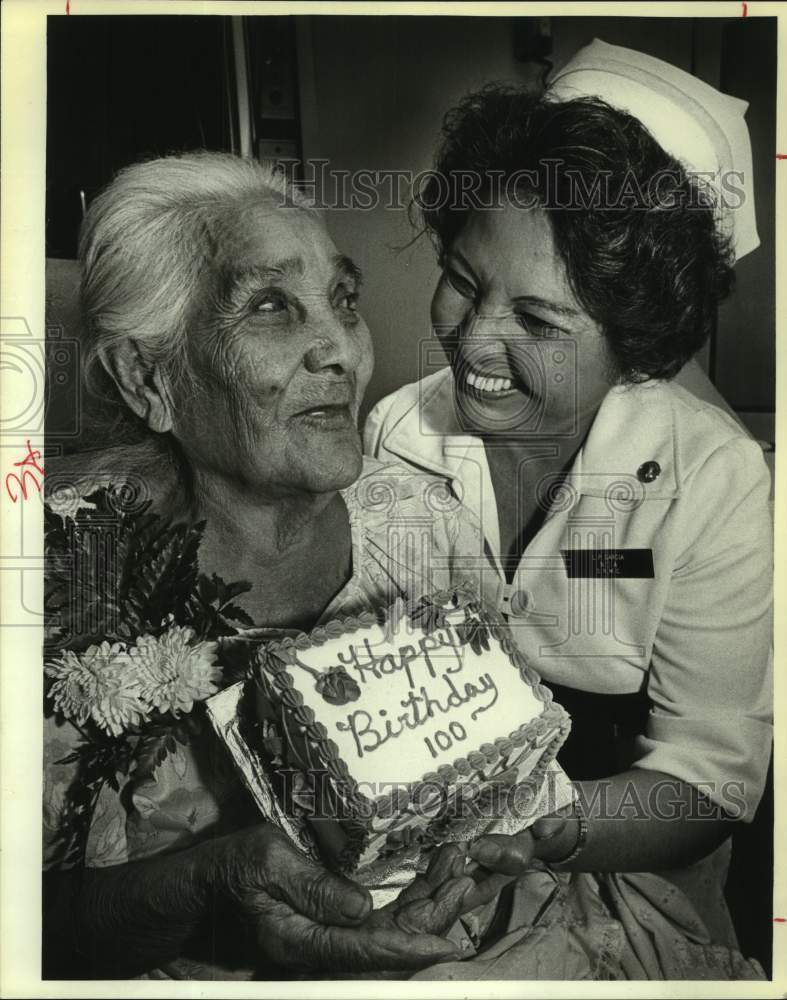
(527,359)
(280,355)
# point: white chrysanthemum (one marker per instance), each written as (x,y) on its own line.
(102,683)
(174,671)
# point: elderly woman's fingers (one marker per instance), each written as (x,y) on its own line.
(312,890)
(486,886)
(378,949)
(325,897)
(437,914)
(447,861)
(419,888)
(261,861)
(292,940)
(506,854)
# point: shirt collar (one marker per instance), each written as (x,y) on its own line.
(633,429)
(428,434)
(632,434)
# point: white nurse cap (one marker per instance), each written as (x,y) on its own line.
(697,125)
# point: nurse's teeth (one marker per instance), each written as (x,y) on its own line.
(485,383)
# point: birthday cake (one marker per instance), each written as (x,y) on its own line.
(401,727)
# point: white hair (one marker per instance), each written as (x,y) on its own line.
(143,246)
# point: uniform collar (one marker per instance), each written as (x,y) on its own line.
(635,425)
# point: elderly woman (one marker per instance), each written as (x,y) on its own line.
(221,316)
(626,524)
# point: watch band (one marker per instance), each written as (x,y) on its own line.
(581,841)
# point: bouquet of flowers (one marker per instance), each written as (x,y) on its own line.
(132,645)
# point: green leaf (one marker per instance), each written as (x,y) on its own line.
(146,758)
(181,736)
(239,587)
(221,589)
(206,588)
(192,722)
(235,613)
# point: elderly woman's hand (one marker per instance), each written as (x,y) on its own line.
(432,902)
(127,919)
(303,916)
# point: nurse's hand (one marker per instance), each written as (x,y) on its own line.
(549,839)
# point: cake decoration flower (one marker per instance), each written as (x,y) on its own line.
(175,671)
(334,684)
(100,684)
(337,687)
(428,614)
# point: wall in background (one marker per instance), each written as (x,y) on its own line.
(744,348)
(122,89)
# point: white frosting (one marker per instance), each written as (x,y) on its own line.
(426,700)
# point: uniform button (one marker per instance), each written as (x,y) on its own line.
(521,603)
(648,471)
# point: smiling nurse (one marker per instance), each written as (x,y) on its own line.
(626,523)
(506,287)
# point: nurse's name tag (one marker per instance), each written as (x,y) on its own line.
(625,564)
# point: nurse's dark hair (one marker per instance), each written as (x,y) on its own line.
(650,270)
